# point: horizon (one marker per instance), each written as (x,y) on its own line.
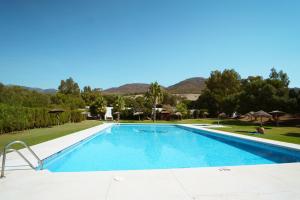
(109,44)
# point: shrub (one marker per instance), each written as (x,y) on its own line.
(18,118)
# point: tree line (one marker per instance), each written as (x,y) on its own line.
(22,109)
(227,92)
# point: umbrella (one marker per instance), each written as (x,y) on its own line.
(250,114)
(138,113)
(276,114)
(178,114)
(205,114)
(56,110)
(118,114)
(221,115)
(261,114)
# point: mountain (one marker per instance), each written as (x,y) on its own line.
(189,86)
(296,89)
(132,88)
(46,91)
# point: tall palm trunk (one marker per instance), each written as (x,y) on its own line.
(154,112)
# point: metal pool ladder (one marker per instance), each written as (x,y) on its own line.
(7,149)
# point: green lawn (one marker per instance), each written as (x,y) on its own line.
(38,135)
(285,134)
(282,133)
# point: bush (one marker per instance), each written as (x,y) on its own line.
(18,118)
(76,116)
(127,114)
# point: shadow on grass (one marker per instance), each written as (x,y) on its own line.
(234,122)
(243,131)
(292,134)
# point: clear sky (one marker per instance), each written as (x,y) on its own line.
(109,43)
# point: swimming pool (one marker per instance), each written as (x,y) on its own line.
(133,147)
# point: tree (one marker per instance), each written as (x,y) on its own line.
(154,95)
(110,99)
(68,101)
(89,95)
(169,98)
(266,94)
(281,77)
(98,107)
(182,108)
(119,105)
(293,104)
(20,96)
(221,93)
(69,87)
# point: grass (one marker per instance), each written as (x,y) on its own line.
(282,133)
(38,135)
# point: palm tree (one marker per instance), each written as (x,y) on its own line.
(155,95)
(119,105)
(99,106)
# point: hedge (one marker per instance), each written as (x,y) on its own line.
(18,118)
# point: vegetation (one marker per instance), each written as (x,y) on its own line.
(18,96)
(98,107)
(182,108)
(119,106)
(18,118)
(38,135)
(90,95)
(284,133)
(227,92)
(155,96)
(22,109)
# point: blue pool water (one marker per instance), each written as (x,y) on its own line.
(131,147)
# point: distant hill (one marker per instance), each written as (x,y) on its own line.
(46,91)
(132,88)
(296,89)
(189,86)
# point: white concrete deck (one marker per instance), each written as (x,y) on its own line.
(259,182)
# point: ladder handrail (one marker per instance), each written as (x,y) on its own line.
(6,150)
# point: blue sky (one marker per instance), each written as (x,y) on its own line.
(109,43)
